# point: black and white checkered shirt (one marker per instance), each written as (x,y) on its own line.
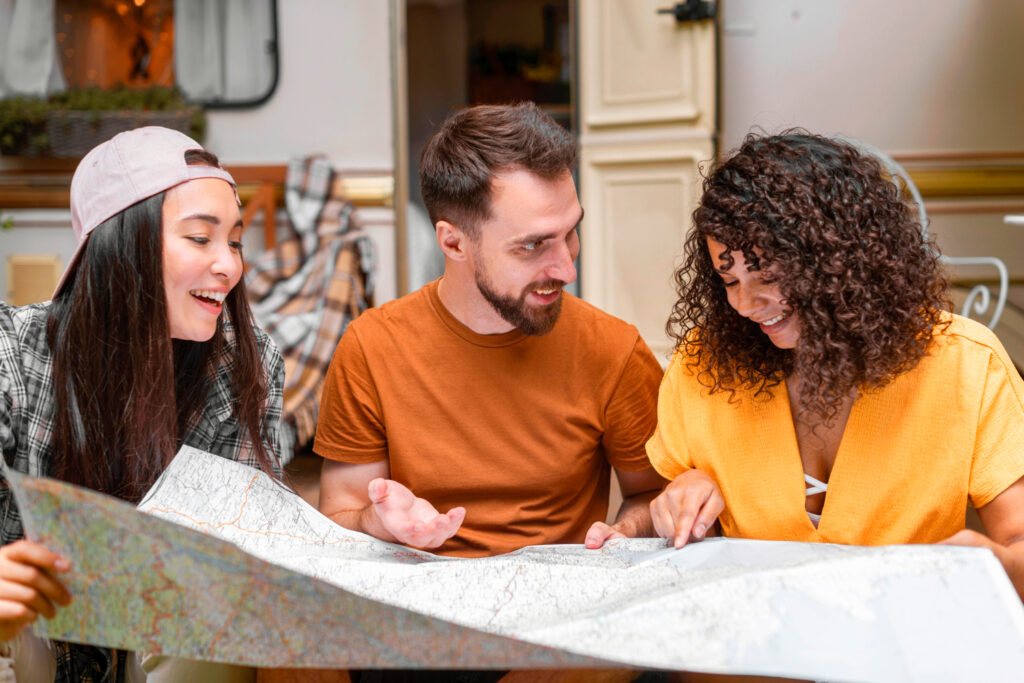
(26,431)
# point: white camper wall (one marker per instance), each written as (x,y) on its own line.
(333,96)
(911,75)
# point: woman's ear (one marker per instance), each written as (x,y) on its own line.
(452,240)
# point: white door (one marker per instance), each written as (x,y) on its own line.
(647,121)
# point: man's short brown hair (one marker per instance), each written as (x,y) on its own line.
(474,144)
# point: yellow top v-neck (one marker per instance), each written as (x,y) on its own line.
(911,455)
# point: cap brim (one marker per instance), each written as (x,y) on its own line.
(72,264)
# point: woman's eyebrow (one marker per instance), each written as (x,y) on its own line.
(212,220)
(205,217)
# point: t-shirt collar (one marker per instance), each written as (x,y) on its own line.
(455,325)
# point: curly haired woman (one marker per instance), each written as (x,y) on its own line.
(819,391)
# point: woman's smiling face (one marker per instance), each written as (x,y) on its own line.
(754,298)
(202,260)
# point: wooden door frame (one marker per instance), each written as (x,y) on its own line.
(400,117)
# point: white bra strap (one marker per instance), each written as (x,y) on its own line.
(816,486)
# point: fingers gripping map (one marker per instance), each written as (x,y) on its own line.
(306,592)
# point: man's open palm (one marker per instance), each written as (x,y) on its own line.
(411,520)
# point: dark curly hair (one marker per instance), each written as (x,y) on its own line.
(849,257)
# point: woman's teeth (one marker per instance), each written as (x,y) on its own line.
(209,294)
(773,321)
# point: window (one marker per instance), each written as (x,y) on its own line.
(217,53)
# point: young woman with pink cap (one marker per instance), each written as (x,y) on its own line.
(147,345)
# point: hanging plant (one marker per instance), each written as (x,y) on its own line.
(71,123)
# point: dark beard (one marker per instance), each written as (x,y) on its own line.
(527,319)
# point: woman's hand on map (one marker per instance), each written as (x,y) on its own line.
(412,520)
(29,585)
(687,508)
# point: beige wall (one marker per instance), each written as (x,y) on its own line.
(907,75)
(333,96)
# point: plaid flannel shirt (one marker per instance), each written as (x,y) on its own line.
(26,433)
(306,290)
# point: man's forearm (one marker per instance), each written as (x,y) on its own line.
(364,520)
(634,518)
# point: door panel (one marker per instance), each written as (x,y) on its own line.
(645,195)
(647,115)
(640,67)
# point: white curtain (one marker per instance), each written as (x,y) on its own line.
(221,49)
(28,49)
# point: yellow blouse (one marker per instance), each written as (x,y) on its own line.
(910,456)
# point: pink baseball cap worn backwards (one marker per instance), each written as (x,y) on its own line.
(124,170)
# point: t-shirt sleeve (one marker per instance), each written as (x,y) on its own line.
(999,443)
(631,412)
(667,448)
(351,423)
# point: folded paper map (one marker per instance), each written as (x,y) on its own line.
(306,592)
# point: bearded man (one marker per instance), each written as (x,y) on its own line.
(490,393)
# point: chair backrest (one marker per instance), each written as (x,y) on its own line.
(979,300)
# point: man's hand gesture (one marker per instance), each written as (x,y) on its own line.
(412,521)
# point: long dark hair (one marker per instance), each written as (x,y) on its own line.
(847,253)
(125,392)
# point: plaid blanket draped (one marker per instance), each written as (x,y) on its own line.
(305,291)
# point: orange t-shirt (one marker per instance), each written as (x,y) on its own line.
(519,430)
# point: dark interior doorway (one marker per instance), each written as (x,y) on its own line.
(465,52)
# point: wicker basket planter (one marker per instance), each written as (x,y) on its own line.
(73,133)
(70,123)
